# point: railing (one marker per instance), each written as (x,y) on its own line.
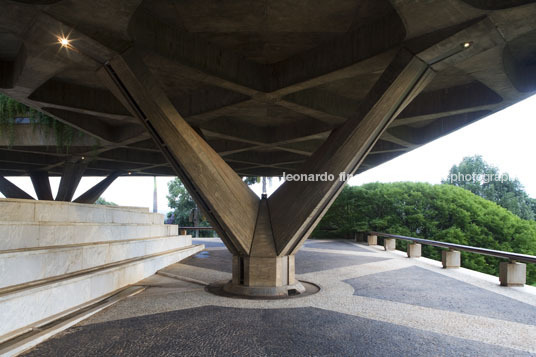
(182,230)
(511,273)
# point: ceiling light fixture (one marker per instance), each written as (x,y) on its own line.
(64,41)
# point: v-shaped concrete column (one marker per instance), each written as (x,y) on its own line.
(263,235)
(72,174)
(10,190)
(93,194)
(41,184)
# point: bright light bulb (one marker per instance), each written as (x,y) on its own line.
(466,44)
(64,42)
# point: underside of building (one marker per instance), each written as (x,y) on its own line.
(212,91)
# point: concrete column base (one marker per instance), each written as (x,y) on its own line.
(414,250)
(389,243)
(372,240)
(512,273)
(450,259)
(264,276)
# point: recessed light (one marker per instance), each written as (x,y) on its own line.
(64,41)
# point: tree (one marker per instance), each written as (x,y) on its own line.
(102,201)
(484,180)
(183,206)
(437,212)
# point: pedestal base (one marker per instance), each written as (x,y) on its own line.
(264,291)
(297,290)
(512,274)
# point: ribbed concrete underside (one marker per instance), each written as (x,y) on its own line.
(371,303)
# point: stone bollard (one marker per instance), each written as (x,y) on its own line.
(450,259)
(389,243)
(372,240)
(414,250)
(512,273)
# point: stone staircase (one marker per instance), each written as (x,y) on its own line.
(55,257)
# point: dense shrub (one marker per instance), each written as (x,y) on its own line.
(439,212)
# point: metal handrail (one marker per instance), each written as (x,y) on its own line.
(493,253)
(197,228)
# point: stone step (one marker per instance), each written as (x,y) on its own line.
(28,304)
(26,265)
(14,210)
(18,235)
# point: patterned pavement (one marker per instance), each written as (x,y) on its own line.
(372,303)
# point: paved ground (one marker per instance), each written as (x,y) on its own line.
(372,303)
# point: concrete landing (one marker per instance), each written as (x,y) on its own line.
(372,302)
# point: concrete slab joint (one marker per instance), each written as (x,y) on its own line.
(512,273)
(450,259)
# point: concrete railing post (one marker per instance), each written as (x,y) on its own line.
(372,240)
(389,243)
(450,259)
(414,250)
(512,273)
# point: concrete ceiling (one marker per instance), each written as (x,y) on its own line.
(263,82)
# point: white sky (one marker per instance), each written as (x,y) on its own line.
(505,139)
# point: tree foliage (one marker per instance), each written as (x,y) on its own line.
(492,185)
(438,212)
(102,201)
(13,113)
(182,204)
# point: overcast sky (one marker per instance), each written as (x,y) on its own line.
(505,139)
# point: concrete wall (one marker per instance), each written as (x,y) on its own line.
(57,256)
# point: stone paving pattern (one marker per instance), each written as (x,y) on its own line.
(372,303)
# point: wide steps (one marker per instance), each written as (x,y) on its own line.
(25,265)
(55,257)
(45,234)
(16,210)
(25,305)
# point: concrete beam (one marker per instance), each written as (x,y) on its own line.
(9,190)
(41,185)
(298,206)
(93,100)
(93,194)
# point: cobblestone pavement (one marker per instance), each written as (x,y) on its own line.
(372,303)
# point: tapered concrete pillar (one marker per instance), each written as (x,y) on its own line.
(263,235)
(93,194)
(41,184)
(72,174)
(263,272)
(414,250)
(9,190)
(512,273)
